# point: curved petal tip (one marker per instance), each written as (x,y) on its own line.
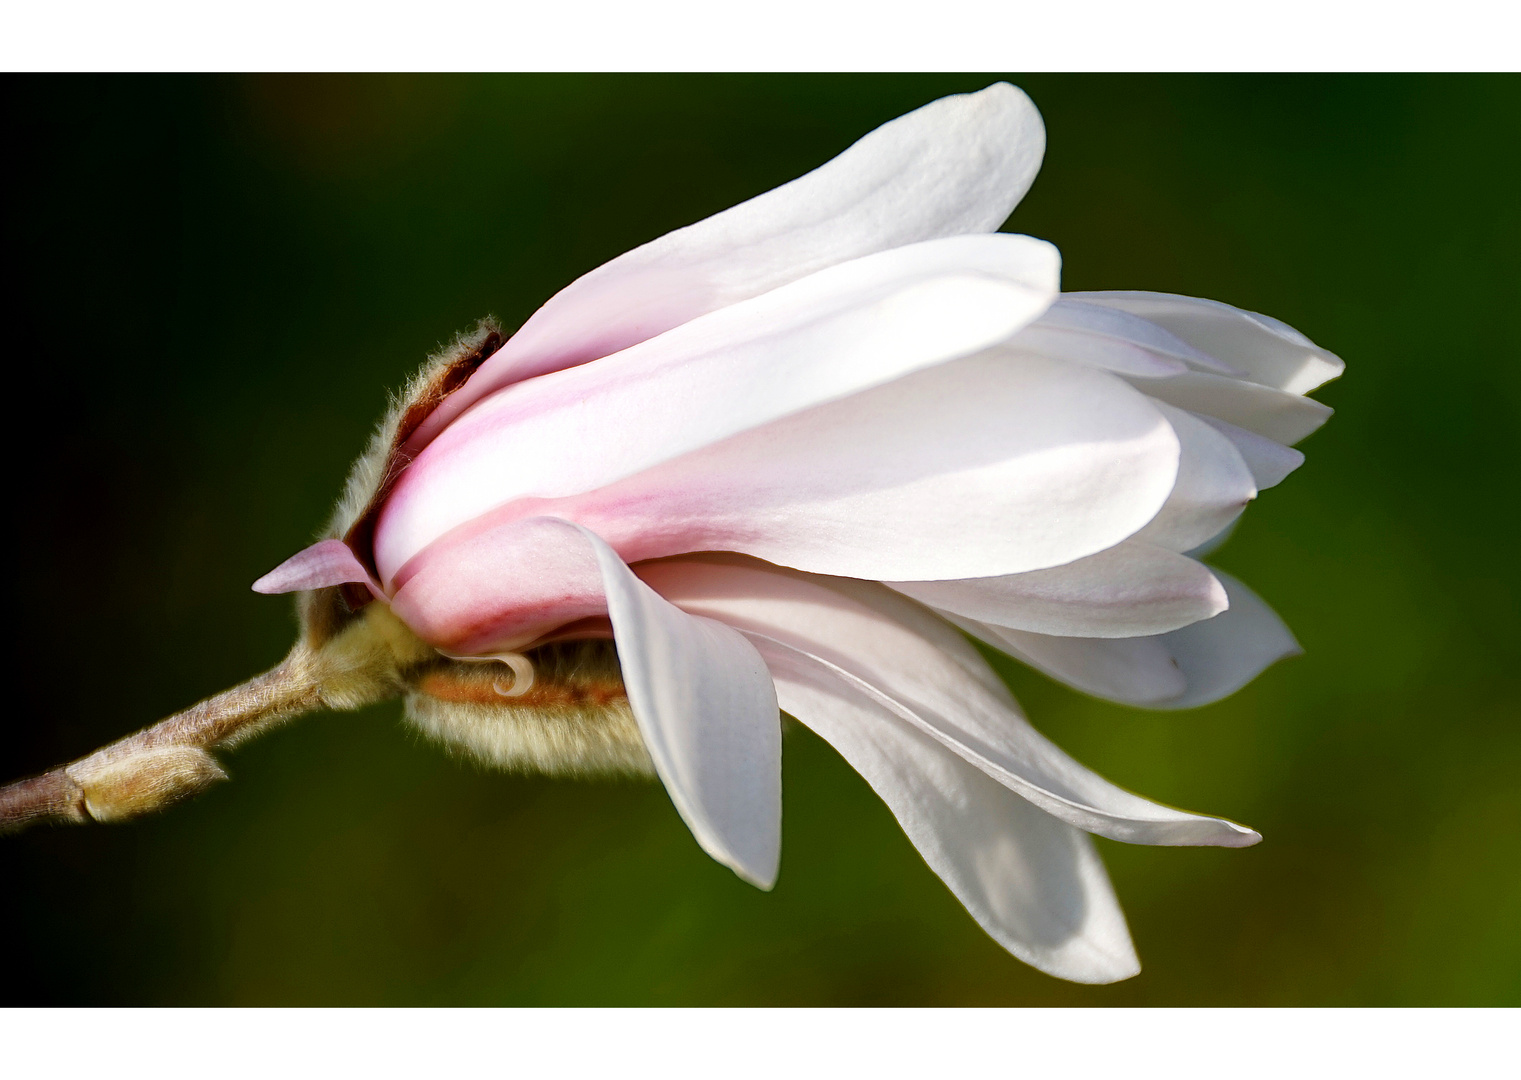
(1244,837)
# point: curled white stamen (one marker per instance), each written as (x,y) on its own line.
(522,672)
(522,675)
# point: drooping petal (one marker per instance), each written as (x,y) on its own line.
(1274,414)
(1214,485)
(1196,665)
(918,668)
(1221,656)
(834,334)
(1034,883)
(956,166)
(323,564)
(984,466)
(1132,671)
(1130,590)
(1262,348)
(707,710)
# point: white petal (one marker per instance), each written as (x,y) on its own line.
(707,710)
(1269,461)
(828,336)
(877,642)
(1275,414)
(1196,665)
(1121,327)
(1265,350)
(1132,589)
(1032,882)
(1091,350)
(1221,656)
(955,166)
(1213,486)
(981,467)
(1131,671)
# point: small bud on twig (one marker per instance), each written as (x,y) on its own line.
(121,788)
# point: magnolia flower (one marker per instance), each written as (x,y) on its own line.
(788,459)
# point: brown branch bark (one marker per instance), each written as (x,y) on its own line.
(166,761)
(49,797)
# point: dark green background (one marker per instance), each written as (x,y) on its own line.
(216,280)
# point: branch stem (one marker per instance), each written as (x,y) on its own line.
(160,763)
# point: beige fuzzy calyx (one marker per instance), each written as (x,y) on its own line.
(573,720)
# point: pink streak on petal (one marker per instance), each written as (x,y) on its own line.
(502,589)
(829,336)
(325,563)
(976,468)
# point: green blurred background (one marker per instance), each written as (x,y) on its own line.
(216,280)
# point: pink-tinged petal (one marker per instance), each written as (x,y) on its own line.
(832,335)
(898,655)
(1275,414)
(1262,348)
(1130,590)
(953,167)
(1196,665)
(1269,461)
(325,563)
(707,710)
(506,588)
(1214,485)
(985,466)
(1032,882)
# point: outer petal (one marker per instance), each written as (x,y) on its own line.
(1265,350)
(1196,665)
(325,563)
(897,655)
(1033,883)
(829,336)
(707,710)
(1132,589)
(955,166)
(981,467)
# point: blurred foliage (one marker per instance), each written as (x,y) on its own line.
(216,280)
